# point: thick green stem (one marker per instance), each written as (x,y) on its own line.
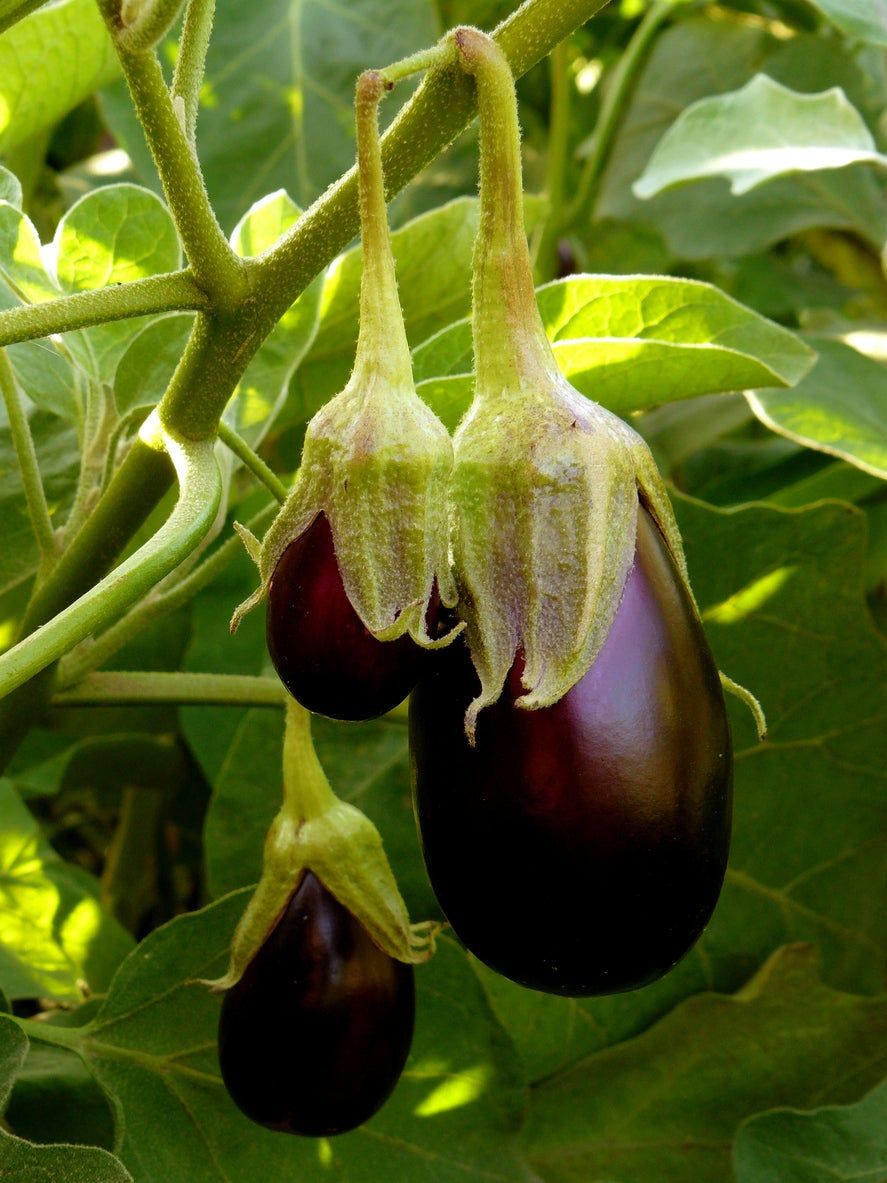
(306,790)
(613,108)
(158,293)
(191,64)
(511,350)
(216,267)
(200,492)
(250,460)
(23,442)
(94,654)
(382,346)
(125,688)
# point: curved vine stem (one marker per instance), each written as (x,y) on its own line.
(200,493)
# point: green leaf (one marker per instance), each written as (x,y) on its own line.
(837,1144)
(452,1119)
(113,235)
(49,761)
(857,18)
(49,63)
(631,343)
(26,1163)
(700,57)
(782,598)
(666,1105)
(839,407)
(53,933)
(10,188)
(757,133)
(433,258)
(276,104)
(262,390)
(56,1099)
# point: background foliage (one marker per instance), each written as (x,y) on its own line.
(129,833)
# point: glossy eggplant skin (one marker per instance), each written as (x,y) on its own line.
(322,651)
(580,848)
(314,1036)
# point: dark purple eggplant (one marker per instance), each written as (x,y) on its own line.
(323,652)
(314,1036)
(580,848)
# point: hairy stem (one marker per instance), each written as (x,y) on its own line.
(126,688)
(93,654)
(200,491)
(216,267)
(191,64)
(159,293)
(251,461)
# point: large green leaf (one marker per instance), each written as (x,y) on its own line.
(49,63)
(452,1119)
(666,1106)
(276,106)
(24,1162)
(758,133)
(782,599)
(54,937)
(839,407)
(114,234)
(858,18)
(837,1144)
(700,57)
(630,343)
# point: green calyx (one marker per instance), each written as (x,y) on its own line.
(315,831)
(376,460)
(545,484)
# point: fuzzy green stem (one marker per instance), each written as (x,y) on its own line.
(146,23)
(306,790)
(511,351)
(382,347)
(216,268)
(191,64)
(613,107)
(256,465)
(23,442)
(158,293)
(93,654)
(130,688)
(425,59)
(200,491)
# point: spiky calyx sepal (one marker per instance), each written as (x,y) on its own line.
(544,496)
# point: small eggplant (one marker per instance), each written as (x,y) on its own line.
(315,1034)
(323,652)
(580,848)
